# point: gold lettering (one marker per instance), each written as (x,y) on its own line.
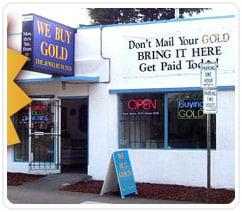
(68,34)
(43,48)
(57,33)
(181,114)
(43,29)
(200,113)
(64,53)
(53,51)
(120,156)
(62,35)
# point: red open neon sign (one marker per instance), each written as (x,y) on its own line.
(142,104)
(36,107)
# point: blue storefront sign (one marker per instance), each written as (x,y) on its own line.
(48,45)
(124,173)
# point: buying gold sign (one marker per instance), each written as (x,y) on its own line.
(190,109)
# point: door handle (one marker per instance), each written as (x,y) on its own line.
(31,158)
(38,133)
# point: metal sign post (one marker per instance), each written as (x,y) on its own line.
(209,83)
(208,151)
(209,107)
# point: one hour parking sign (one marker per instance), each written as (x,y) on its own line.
(209,101)
(208,75)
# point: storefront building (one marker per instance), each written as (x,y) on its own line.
(134,87)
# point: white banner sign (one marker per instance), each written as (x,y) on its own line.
(178,47)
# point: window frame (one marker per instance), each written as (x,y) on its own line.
(119,122)
(25,144)
(25,155)
(166,121)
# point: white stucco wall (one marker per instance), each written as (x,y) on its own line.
(185,167)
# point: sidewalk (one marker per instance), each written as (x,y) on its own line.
(31,196)
(46,191)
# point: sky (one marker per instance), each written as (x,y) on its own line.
(75,14)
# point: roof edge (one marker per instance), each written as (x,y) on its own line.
(156,22)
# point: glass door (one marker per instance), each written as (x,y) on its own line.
(44,134)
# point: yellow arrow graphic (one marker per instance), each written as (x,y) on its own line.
(17,98)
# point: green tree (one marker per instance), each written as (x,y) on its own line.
(127,15)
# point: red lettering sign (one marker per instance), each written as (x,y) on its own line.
(36,107)
(142,104)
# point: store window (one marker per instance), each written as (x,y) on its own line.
(187,124)
(141,121)
(21,124)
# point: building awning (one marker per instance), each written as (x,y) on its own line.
(84,79)
(167,90)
